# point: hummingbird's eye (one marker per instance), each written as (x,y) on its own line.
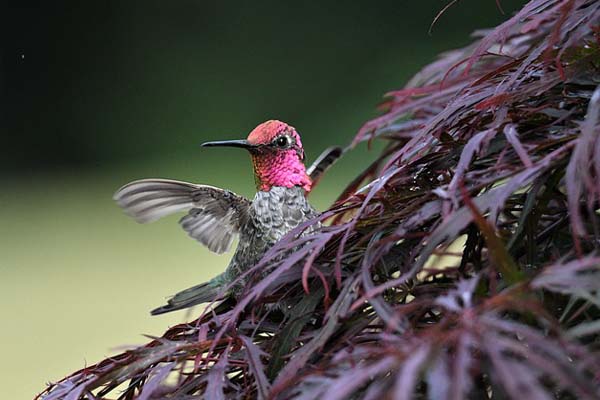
(283,141)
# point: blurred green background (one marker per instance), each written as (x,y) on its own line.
(95,94)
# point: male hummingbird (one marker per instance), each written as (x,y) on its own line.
(215,216)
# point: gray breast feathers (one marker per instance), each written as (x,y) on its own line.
(214,216)
(279,210)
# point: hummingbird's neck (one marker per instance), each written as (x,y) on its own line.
(282,169)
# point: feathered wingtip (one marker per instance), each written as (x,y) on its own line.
(327,158)
(147,200)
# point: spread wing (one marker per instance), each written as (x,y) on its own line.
(323,162)
(214,216)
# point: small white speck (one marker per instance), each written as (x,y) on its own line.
(22,56)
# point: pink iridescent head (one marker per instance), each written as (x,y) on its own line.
(277,155)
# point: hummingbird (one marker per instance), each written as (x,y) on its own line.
(216,216)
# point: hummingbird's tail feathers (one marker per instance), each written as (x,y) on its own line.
(147,200)
(323,162)
(202,293)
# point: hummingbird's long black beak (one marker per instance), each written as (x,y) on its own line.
(229,143)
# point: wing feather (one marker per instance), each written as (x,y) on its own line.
(214,216)
(327,158)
